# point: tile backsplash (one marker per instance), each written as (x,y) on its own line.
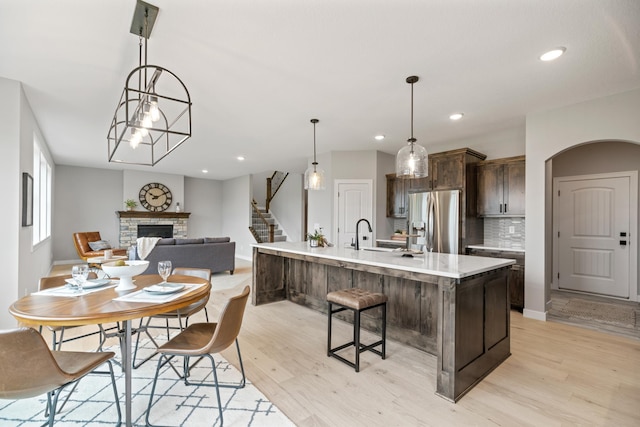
(504,232)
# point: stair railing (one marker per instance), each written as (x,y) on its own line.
(263,224)
(275,181)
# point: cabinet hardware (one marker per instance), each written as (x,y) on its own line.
(500,207)
(505,208)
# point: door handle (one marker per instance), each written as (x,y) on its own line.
(623,243)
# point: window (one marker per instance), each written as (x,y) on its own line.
(41,194)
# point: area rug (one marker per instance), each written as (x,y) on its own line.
(600,311)
(91,404)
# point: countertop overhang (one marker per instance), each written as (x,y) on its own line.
(437,264)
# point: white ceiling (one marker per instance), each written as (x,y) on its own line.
(258,71)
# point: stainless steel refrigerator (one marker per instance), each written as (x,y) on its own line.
(434,221)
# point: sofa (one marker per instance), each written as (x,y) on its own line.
(215,253)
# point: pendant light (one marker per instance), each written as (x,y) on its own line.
(153,115)
(411,160)
(314,176)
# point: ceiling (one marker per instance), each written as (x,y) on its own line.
(258,71)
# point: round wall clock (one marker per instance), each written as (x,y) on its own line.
(155,197)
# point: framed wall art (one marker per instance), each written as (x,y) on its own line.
(27,200)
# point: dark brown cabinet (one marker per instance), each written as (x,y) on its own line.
(501,187)
(448,170)
(396,196)
(516,275)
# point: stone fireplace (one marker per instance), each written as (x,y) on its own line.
(130,220)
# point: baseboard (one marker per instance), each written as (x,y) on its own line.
(69,261)
(246,258)
(533,314)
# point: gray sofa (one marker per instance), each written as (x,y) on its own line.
(215,253)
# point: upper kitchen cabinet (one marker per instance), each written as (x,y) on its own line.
(501,185)
(450,169)
(396,196)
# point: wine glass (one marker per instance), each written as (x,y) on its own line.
(164,270)
(79,274)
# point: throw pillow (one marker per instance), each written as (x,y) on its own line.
(99,245)
(217,239)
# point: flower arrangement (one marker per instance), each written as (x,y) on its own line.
(130,204)
(317,238)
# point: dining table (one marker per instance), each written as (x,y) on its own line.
(106,305)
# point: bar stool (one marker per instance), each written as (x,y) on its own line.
(357,300)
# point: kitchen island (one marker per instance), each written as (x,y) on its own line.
(455,307)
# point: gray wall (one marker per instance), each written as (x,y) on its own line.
(85,199)
(236,214)
(203,198)
(288,206)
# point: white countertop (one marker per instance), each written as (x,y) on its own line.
(496,248)
(437,264)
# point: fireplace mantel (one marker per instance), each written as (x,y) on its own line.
(149,214)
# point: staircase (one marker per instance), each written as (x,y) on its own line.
(261,221)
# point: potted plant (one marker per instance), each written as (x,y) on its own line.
(316,239)
(130,204)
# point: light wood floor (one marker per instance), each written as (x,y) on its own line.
(557,375)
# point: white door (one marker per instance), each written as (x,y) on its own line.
(593,232)
(353,201)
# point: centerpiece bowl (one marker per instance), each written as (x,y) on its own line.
(125,272)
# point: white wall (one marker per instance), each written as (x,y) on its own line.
(10,173)
(614,117)
(507,142)
(236,214)
(22,264)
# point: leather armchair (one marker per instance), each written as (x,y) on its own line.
(81,241)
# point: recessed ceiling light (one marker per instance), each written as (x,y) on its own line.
(456,116)
(240,158)
(378,137)
(553,54)
(205,171)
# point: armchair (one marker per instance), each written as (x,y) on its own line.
(81,241)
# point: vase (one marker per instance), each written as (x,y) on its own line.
(313,243)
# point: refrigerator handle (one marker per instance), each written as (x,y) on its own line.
(428,230)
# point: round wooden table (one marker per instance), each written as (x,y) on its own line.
(100,307)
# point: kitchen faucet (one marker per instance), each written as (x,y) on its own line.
(357,224)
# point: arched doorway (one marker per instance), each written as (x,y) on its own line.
(586,307)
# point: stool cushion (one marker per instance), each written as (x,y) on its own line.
(356,298)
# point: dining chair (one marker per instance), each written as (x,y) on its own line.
(57,341)
(28,368)
(182,313)
(204,340)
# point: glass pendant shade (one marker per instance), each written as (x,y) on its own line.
(314,178)
(411,161)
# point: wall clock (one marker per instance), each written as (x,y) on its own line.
(155,197)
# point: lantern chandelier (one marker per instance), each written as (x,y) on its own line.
(411,160)
(314,176)
(153,116)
